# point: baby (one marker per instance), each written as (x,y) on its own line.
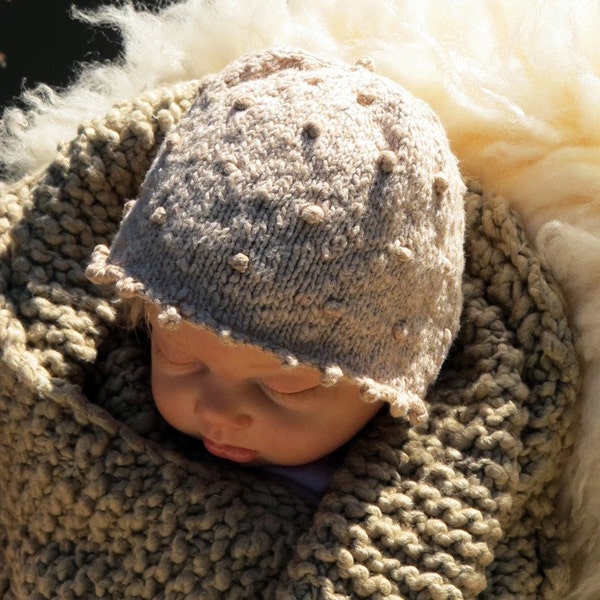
(297,250)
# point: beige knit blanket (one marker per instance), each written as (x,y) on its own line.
(96,500)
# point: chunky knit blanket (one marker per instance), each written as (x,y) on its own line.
(97,500)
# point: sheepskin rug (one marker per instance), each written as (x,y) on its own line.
(517,85)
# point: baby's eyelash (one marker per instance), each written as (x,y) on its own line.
(301,396)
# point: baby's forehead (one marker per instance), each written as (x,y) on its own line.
(200,341)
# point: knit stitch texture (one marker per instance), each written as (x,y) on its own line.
(312,209)
(97,502)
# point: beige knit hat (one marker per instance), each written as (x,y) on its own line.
(311,209)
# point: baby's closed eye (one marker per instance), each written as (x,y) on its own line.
(290,394)
(175,359)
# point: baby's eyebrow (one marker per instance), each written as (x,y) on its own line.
(261,364)
(294,375)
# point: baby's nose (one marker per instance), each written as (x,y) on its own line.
(223,405)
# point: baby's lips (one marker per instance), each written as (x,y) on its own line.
(233,453)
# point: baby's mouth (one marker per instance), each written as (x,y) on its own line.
(233,453)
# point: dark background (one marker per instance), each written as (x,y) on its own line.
(41,43)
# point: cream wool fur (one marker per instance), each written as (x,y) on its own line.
(516,85)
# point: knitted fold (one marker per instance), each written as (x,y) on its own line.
(97,500)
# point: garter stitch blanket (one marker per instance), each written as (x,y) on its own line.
(98,501)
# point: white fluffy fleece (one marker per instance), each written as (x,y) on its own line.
(517,85)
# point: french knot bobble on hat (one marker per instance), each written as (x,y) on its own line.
(312,209)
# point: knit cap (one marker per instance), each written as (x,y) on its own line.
(312,209)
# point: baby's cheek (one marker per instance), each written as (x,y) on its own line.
(166,397)
(174,412)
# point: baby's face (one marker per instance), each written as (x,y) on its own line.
(244,405)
